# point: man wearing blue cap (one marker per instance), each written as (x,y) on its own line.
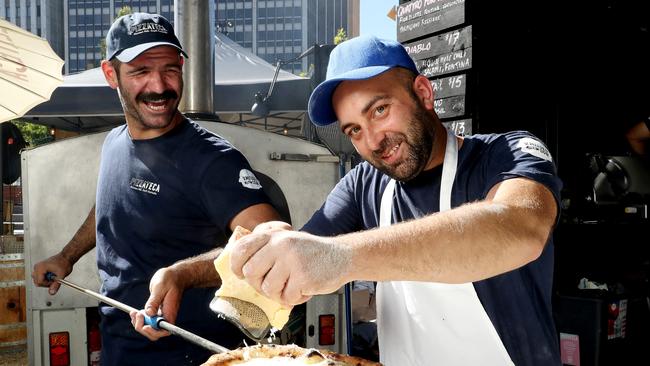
(456,231)
(167,190)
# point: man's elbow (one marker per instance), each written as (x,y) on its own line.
(537,236)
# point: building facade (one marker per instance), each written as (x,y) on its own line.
(282,29)
(272,29)
(41,17)
(87,22)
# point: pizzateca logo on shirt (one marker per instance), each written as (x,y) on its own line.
(248,179)
(144,186)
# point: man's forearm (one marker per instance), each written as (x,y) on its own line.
(82,241)
(466,244)
(198,271)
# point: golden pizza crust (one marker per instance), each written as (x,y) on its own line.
(293,354)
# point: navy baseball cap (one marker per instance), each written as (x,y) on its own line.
(359,58)
(132,34)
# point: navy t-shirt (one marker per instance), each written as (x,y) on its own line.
(518,302)
(159,201)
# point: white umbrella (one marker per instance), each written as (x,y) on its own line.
(29,71)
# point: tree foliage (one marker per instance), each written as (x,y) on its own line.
(33,134)
(102,44)
(341,35)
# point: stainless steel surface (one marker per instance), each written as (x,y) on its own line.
(327,304)
(246,316)
(194,25)
(59,181)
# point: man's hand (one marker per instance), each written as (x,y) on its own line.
(272,226)
(289,266)
(57,264)
(137,319)
(166,292)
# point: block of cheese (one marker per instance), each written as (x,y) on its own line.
(231,286)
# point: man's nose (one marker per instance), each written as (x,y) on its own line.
(374,139)
(157,82)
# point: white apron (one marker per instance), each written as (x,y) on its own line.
(429,323)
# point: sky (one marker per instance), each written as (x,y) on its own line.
(374,20)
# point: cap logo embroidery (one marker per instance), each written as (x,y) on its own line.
(134,30)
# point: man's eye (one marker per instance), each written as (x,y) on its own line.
(352,131)
(380,110)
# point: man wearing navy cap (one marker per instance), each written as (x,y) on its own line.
(167,190)
(456,231)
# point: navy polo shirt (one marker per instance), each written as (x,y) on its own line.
(159,201)
(517,302)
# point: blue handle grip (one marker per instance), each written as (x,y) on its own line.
(153,321)
(50,276)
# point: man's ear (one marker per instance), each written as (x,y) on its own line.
(110,74)
(423,89)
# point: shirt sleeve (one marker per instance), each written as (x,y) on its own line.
(340,214)
(520,154)
(228,186)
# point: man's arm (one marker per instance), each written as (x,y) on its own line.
(61,264)
(469,243)
(199,271)
(167,284)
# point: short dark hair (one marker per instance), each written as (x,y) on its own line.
(406,78)
(116,65)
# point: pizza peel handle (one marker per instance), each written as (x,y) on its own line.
(156,322)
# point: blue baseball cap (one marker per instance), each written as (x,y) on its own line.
(359,58)
(132,34)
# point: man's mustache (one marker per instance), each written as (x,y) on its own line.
(385,145)
(150,97)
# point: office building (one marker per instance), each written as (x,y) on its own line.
(274,29)
(283,29)
(41,17)
(88,22)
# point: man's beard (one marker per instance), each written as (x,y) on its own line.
(131,108)
(418,141)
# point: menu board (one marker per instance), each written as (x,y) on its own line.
(444,43)
(461,127)
(442,55)
(419,18)
(449,86)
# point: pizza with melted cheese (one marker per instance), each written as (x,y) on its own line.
(284,355)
